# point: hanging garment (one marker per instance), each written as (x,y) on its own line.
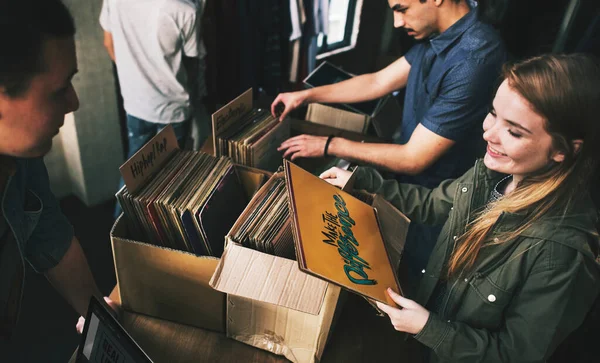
(298,19)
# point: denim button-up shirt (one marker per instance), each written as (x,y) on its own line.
(31,217)
(449,90)
(33,214)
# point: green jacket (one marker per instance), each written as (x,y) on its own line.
(523,297)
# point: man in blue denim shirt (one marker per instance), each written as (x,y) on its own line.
(37,64)
(449,79)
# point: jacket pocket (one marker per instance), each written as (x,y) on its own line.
(32,211)
(484,303)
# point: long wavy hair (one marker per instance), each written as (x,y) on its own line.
(565,90)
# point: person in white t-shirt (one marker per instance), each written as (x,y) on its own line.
(155,46)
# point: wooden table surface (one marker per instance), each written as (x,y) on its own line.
(358,336)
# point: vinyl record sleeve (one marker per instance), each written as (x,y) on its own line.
(338,237)
(221,210)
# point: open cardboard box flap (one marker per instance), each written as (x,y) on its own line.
(259,276)
(393,226)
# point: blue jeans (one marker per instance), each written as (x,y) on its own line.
(139,132)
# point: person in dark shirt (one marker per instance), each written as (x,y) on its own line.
(449,77)
(37,64)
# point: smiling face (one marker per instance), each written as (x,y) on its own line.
(30,120)
(517,142)
(417,18)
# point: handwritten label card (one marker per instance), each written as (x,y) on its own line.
(148,159)
(230,114)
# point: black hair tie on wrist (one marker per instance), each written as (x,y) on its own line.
(327,145)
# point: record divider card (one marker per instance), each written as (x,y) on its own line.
(149,159)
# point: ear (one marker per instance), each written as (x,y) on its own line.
(577,144)
(559,156)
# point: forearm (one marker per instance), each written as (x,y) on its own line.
(364,87)
(356,89)
(420,152)
(420,204)
(109,45)
(73,279)
(391,157)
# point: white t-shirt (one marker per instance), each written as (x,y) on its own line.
(150,38)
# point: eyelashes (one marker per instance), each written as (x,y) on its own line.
(514,134)
(517,135)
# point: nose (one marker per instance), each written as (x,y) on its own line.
(72,100)
(490,133)
(398,20)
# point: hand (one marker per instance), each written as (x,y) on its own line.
(113,305)
(410,318)
(336,176)
(291,101)
(306,146)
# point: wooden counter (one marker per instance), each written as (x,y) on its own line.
(358,336)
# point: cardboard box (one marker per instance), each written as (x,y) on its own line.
(165,283)
(385,114)
(274,305)
(337,118)
(264,151)
(162,282)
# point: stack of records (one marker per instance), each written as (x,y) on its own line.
(190,205)
(265,224)
(239,139)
